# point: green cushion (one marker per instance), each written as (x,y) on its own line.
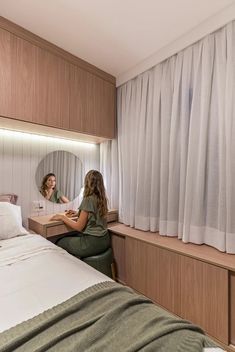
(101,262)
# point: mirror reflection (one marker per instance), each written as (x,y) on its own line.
(59,177)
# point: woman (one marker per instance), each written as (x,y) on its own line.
(91,235)
(49,191)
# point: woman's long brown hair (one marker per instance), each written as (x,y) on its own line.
(94,185)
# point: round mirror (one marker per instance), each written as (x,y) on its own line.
(59,177)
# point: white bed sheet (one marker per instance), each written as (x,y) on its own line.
(36,275)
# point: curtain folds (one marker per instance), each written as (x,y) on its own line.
(176,145)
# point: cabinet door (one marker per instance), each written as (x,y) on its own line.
(5,73)
(118,246)
(92,104)
(154,272)
(204,296)
(232,308)
(17,77)
(52,90)
(23,72)
(101,106)
(78,101)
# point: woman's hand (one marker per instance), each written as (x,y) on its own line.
(78,225)
(71,213)
(58,217)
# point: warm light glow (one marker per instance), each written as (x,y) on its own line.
(43,138)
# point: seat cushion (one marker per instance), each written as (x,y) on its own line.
(101,262)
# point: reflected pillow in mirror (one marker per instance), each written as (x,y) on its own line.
(10,198)
(11,221)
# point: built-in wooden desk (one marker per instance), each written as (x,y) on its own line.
(44,226)
(196,282)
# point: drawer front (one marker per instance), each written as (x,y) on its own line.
(57,230)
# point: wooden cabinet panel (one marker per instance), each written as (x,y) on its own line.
(136,265)
(101,107)
(154,272)
(41,87)
(92,104)
(118,245)
(5,73)
(52,90)
(203,286)
(169,289)
(78,100)
(232,308)
(23,72)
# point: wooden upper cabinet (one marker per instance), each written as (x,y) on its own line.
(92,104)
(34,83)
(51,90)
(17,77)
(101,106)
(78,100)
(23,74)
(5,73)
(43,85)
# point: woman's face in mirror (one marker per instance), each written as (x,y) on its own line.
(51,182)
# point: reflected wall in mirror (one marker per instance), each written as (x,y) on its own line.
(59,177)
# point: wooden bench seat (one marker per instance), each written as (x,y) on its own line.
(196,282)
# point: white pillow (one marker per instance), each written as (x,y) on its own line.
(10,221)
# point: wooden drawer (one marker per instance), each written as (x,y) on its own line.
(56,230)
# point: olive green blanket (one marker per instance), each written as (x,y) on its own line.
(105,317)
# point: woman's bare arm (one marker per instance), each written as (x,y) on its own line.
(64,199)
(78,225)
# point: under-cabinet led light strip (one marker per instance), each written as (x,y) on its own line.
(41,138)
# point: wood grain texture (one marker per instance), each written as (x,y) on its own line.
(46,227)
(169,288)
(189,280)
(41,87)
(44,44)
(204,296)
(5,73)
(202,252)
(232,308)
(52,90)
(118,246)
(37,227)
(92,104)
(78,100)
(154,272)
(22,126)
(23,74)
(101,112)
(57,230)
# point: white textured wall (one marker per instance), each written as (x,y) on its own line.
(20,155)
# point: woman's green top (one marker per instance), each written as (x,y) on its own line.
(96,225)
(55,197)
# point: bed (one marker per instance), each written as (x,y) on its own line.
(51,301)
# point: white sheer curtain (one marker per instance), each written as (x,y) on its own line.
(176,145)
(109,170)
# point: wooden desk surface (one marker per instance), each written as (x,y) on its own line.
(45,220)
